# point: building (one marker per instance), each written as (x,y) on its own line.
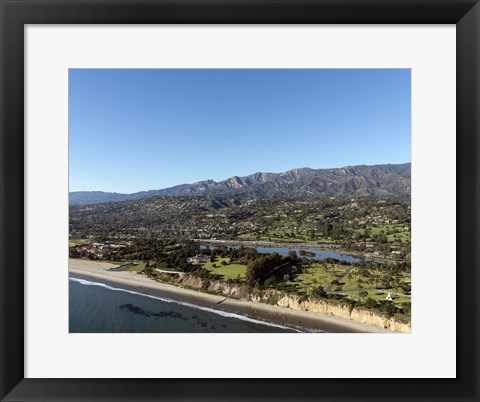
(199,259)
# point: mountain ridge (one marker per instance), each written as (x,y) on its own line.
(360,180)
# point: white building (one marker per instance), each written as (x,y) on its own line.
(199,259)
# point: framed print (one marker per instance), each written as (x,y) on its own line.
(239,200)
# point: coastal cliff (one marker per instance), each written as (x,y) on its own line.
(282,299)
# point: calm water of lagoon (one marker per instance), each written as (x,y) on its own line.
(319,254)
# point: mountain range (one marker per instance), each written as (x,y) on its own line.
(362,180)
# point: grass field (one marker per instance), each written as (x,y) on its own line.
(288,223)
(318,275)
(136,268)
(321,275)
(229,271)
(76,242)
(355,279)
(300,237)
(380,295)
(395,233)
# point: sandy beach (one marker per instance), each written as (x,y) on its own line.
(304,320)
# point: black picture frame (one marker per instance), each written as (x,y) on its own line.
(15,14)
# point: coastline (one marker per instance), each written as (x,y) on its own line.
(304,321)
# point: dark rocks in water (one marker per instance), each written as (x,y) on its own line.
(162,314)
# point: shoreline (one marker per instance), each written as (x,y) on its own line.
(300,320)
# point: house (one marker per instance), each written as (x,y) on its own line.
(199,259)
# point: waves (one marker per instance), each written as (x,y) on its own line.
(190,305)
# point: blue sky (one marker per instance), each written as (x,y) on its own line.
(132,130)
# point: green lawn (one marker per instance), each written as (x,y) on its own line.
(323,274)
(318,275)
(355,278)
(288,223)
(76,242)
(398,233)
(136,268)
(283,235)
(229,271)
(380,295)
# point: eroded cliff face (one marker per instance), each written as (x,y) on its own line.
(294,302)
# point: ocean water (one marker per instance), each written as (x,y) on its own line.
(96,307)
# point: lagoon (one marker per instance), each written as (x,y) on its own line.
(319,254)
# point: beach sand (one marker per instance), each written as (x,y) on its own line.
(303,320)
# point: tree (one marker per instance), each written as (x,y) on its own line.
(390,309)
(259,268)
(293,255)
(271,282)
(381,238)
(371,303)
(407,307)
(319,292)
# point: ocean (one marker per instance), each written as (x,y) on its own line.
(101,307)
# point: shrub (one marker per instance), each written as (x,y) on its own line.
(390,309)
(371,303)
(271,282)
(319,292)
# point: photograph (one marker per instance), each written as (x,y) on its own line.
(186,178)
(239,201)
